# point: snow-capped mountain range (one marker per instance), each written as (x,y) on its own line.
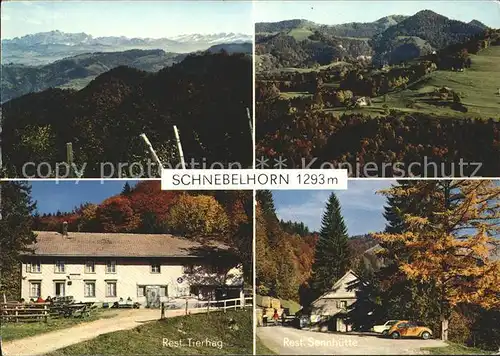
(73,39)
(44,47)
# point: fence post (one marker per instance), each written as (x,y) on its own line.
(224,305)
(162,310)
(17,319)
(45,312)
(208,306)
(186,307)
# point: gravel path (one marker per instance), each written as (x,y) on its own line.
(51,341)
(291,341)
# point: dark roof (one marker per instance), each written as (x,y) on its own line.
(117,245)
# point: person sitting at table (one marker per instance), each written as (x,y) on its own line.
(40,300)
(22,301)
(48,300)
(32,300)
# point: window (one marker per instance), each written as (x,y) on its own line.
(155,268)
(188,269)
(89,289)
(35,289)
(111,267)
(59,288)
(141,291)
(34,267)
(89,267)
(343,304)
(163,291)
(111,289)
(59,267)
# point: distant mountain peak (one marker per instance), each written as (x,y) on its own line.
(477,23)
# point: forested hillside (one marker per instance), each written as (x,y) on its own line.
(426,26)
(285,253)
(391,39)
(206,96)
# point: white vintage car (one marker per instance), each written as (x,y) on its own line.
(382,329)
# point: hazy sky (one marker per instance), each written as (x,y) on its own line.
(335,12)
(153,19)
(65,195)
(361,207)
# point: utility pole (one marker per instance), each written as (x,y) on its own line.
(250,122)
(153,153)
(179,147)
(69,158)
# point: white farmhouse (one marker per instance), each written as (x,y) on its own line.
(335,303)
(144,268)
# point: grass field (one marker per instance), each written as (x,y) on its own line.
(215,333)
(12,331)
(294,94)
(300,34)
(312,69)
(455,349)
(261,349)
(477,85)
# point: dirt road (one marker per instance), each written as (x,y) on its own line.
(291,341)
(44,343)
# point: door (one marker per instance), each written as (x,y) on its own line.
(60,287)
(152,297)
(412,329)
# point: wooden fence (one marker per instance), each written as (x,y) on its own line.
(16,312)
(210,305)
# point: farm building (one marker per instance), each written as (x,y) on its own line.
(143,268)
(334,303)
(360,101)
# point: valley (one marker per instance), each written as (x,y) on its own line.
(381,92)
(24,68)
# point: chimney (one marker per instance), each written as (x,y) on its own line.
(65,228)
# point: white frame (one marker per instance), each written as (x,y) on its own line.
(108,283)
(39,289)
(85,284)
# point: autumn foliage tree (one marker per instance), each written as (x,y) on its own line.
(451,247)
(283,258)
(152,205)
(116,215)
(198,215)
(88,220)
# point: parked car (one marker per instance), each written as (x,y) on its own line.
(384,328)
(405,328)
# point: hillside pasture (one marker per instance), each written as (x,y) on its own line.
(300,34)
(477,87)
